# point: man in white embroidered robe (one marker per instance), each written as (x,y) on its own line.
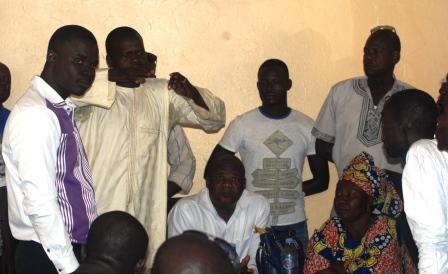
(127,144)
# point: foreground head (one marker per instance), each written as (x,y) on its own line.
(191,254)
(407,117)
(118,239)
(273,82)
(5,83)
(225,180)
(72,58)
(381,52)
(363,187)
(125,49)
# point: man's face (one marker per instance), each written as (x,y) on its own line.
(350,201)
(273,85)
(74,66)
(442,128)
(226,186)
(379,57)
(394,139)
(128,53)
(5,83)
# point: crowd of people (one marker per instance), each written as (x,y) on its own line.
(91,160)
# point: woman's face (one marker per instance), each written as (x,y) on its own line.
(350,201)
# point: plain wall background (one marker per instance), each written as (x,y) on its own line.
(220,44)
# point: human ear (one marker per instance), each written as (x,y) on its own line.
(51,56)
(109,61)
(396,56)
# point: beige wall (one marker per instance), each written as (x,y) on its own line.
(219,44)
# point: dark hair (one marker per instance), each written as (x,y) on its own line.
(416,107)
(117,35)
(275,63)
(67,34)
(388,36)
(118,238)
(188,251)
(216,164)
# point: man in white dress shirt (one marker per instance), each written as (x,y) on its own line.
(51,202)
(425,189)
(224,209)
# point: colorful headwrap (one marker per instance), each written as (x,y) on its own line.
(374,181)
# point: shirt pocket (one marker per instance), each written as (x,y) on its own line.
(147,136)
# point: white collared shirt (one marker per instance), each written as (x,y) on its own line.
(425,190)
(30,143)
(181,160)
(198,213)
(350,120)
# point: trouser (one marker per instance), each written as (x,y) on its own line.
(301,230)
(31,258)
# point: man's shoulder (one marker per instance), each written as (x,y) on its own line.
(302,117)
(424,146)
(156,84)
(249,115)
(348,84)
(195,200)
(403,85)
(30,104)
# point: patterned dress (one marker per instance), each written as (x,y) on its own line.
(377,252)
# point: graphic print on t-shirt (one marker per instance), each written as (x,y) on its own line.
(277,177)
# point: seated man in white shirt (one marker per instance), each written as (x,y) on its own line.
(224,209)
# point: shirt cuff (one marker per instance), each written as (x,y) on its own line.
(67,264)
(324,137)
(182,182)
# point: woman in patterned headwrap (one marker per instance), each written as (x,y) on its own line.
(362,239)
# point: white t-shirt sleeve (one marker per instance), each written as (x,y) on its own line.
(233,137)
(325,126)
(426,209)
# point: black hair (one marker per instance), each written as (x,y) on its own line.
(119,34)
(118,238)
(216,164)
(415,107)
(182,253)
(66,34)
(388,36)
(277,63)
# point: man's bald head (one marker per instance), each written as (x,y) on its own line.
(192,254)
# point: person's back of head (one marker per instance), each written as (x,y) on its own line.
(118,240)
(191,254)
(408,116)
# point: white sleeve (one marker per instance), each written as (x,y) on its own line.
(34,140)
(179,220)
(186,112)
(325,126)
(426,209)
(181,160)
(233,136)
